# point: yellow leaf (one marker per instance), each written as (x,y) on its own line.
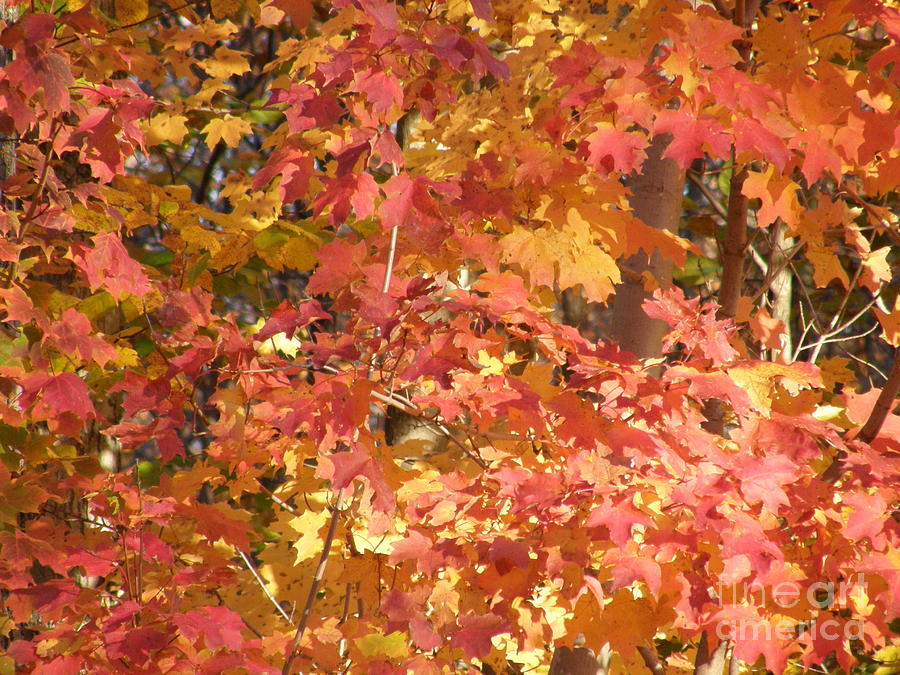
(131,11)
(222,9)
(890,324)
(826,266)
(571,250)
(391,646)
(876,268)
(309,543)
(126,357)
(491,364)
(760,380)
(166,128)
(226,62)
(229,129)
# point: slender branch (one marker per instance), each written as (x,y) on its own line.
(278,500)
(651,660)
(885,225)
(722,8)
(262,585)
(316,582)
(773,272)
(885,402)
(707,193)
(759,260)
(824,341)
(883,405)
(389,264)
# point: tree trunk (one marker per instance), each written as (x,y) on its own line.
(656,200)
(782,289)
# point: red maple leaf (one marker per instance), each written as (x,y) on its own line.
(474,638)
(611,149)
(109,266)
(690,135)
(287,319)
(73,334)
(219,627)
(381,89)
(55,395)
(294,166)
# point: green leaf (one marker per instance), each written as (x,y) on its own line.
(96,305)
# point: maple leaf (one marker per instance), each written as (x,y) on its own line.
(73,334)
(166,128)
(293,166)
(18,307)
(219,627)
(777,194)
(750,134)
(619,519)
(890,323)
(397,207)
(36,69)
(570,250)
(699,330)
(229,129)
(109,266)
(286,319)
(299,11)
(611,149)
(382,90)
(419,547)
(753,636)
(867,518)
(762,479)
(690,135)
(475,633)
(53,395)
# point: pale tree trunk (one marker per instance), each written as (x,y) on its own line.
(656,200)
(782,287)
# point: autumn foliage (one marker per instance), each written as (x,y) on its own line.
(243,240)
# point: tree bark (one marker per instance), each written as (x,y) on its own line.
(708,663)
(656,200)
(734,248)
(580,661)
(8,15)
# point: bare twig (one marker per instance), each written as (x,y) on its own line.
(278,500)
(707,193)
(823,340)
